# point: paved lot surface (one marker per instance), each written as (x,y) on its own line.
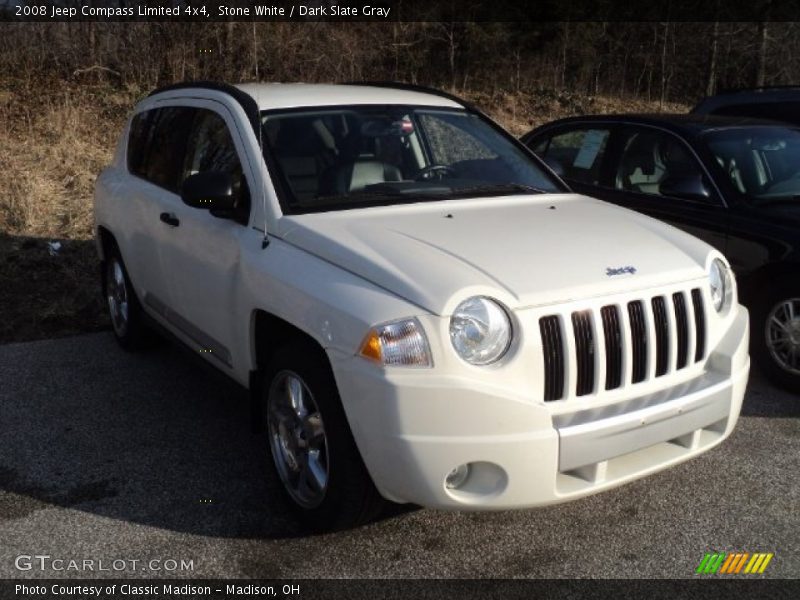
(107,456)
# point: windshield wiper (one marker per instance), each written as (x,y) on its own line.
(521,188)
(357,197)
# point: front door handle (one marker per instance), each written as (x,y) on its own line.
(170,219)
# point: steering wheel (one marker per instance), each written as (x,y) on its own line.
(427,173)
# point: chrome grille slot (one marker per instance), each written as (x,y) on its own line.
(638,340)
(699,325)
(612,334)
(662,334)
(682,324)
(553,351)
(584,351)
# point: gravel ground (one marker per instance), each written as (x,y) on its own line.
(108,456)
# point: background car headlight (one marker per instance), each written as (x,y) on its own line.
(400,343)
(721,284)
(480,330)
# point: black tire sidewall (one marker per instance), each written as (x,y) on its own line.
(134,337)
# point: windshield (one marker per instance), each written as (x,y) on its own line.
(347,157)
(763,163)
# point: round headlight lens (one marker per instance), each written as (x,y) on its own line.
(480,330)
(719,279)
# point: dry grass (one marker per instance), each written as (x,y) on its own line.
(520,112)
(53,145)
(51,148)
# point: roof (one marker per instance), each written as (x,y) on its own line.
(682,123)
(271,96)
(763,95)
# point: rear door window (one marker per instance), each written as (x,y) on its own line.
(157,145)
(138,139)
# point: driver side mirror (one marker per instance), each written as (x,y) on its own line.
(211,190)
(688,188)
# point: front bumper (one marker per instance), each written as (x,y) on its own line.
(414,426)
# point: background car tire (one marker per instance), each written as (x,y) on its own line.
(125,311)
(349,498)
(763,348)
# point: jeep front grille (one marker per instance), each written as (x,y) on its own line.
(553,345)
(699,324)
(658,336)
(612,333)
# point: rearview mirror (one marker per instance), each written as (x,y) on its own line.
(688,188)
(211,190)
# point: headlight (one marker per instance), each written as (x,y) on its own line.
(721,284)
(480,330)
(400,343)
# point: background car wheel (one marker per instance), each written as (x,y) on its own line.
(313,451)
(123,305)
(776,337)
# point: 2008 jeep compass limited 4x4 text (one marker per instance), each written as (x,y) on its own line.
(423,311)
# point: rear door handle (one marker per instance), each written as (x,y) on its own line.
(170,219)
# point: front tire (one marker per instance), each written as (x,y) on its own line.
(776,337)
(313,451)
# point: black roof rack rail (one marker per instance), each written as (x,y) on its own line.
(245,100)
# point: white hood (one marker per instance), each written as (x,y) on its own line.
(524,250)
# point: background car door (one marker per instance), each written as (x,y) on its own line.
(201,257)
(655,172)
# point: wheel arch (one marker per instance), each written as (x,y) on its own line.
(268,333)
(105,241)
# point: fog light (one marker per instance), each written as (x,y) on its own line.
(456,478)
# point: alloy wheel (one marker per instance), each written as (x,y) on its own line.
(297,439)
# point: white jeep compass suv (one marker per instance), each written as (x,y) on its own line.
(422,310)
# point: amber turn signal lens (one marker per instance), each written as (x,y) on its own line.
(371,348)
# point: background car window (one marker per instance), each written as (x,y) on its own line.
(579,151)
(165,146)
(651,159)
(763,163)
(210,147)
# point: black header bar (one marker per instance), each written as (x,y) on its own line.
(398,10)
